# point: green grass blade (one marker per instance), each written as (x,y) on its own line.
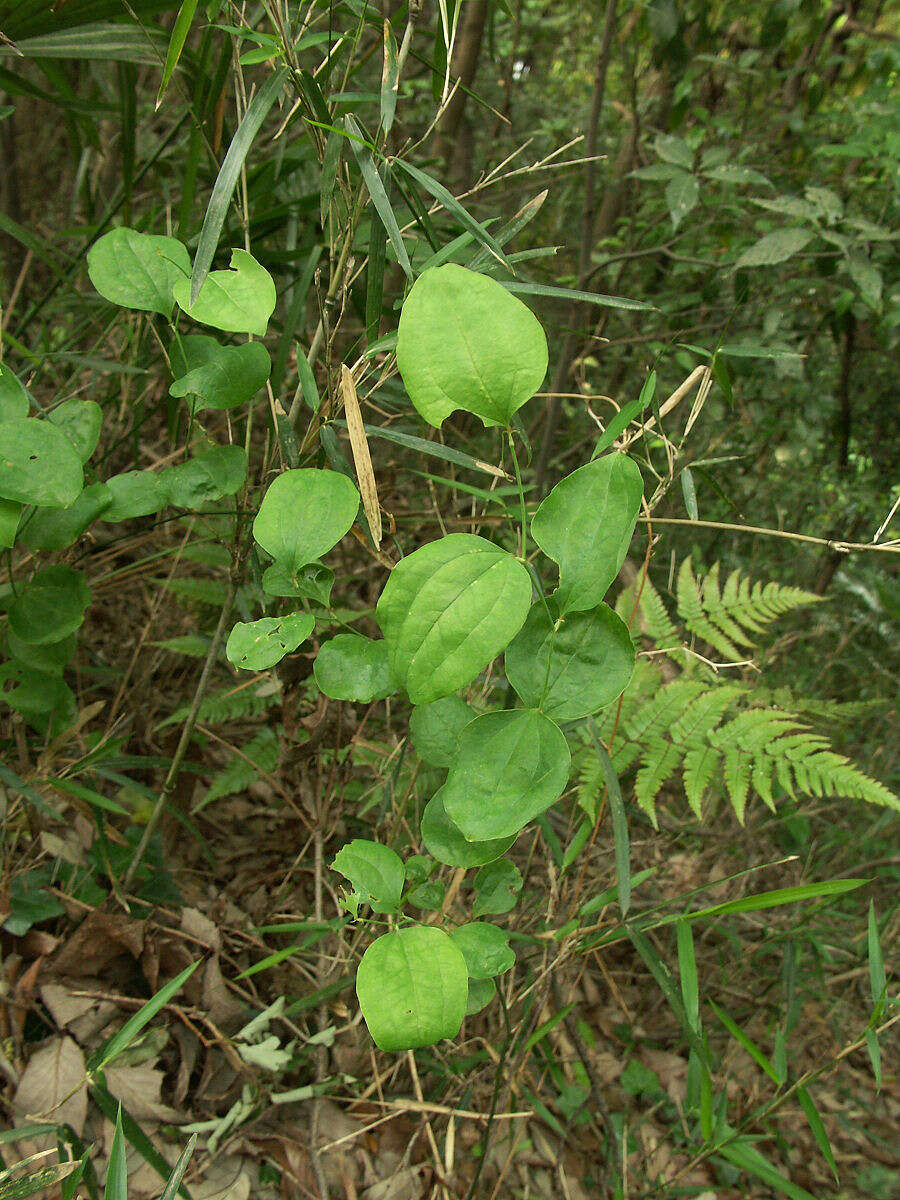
(376,189)
(818,1129)
(179,1169)
(747,1042)
(134,1135)
(453,206)
(226,181)
(560,293)
(742,1154)
(687,973)
(622,843)
(122,1039)
(375,280)
(434,450)
(180,30)
(877,976)
(116,1187)
(626,415)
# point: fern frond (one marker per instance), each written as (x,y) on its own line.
(653,620)
(240,703)
(661,761)
(262,753)
(697,771)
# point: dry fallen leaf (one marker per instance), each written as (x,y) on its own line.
(194,923)
(362,460)
(138,1088)
(62,1005)
(53,1087)
(99,939)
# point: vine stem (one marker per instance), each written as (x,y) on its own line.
(186,733)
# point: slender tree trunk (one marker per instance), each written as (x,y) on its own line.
(463,67)
(564,361)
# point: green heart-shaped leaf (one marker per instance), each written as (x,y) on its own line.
(38,464)
(447,610)
(80,421)
(50,606)
(231,376)
(303,514)
(585,525)
(13,397)
(412,987)
(206,477)
(135,494)
(353,667)
(572,667)
(444,841)
(239,300)
(57,528)
(496,888)
(510,766)
(485,948)
(465,342)
(258,645)
(435,729)
(375,871)
(138,270)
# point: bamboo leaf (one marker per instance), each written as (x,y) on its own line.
(376,189)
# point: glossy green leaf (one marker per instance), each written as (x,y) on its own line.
(497,888)
(80,421)
(303,514)
(465,342)
(485,948)
(206,477)
(447,610)
(13,397)
(571,667)
(57,528)
(444,841)
(313,581)
(353,667)
(135,494)
(38,464)
(412,987)
(585,525)
(375,871)
(435,729)
(138,270)
(231,376)
(239,300)
(50,606)
(511,765)
(258,645)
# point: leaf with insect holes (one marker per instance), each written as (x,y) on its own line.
(510,766)
(445,842)
(38,464)
(585,525)
(485,948)
(303,514)
(465,342)
(447,610)
(435,729)
(572,666)
(412,986)
(375,871)
(258,645)
(138,270)
(353,667)
(239,300)
(231,376)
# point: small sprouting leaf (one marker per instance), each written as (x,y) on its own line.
(135,494)
(585,526)
(435,729)
(465,342)
(412,987)
(258,645)
(138,270)
(13,397)
(682,194)
(485,948)
(80,421)
(445,842)
(375,871)
(511,765)
(571,667)
(239,300)
(50,606)
(206,477)
(231,376)
(313,581)
(38,464)
(775,248)
(353,667)
(497,888)
(57,528)
(303,514)
(447,610)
